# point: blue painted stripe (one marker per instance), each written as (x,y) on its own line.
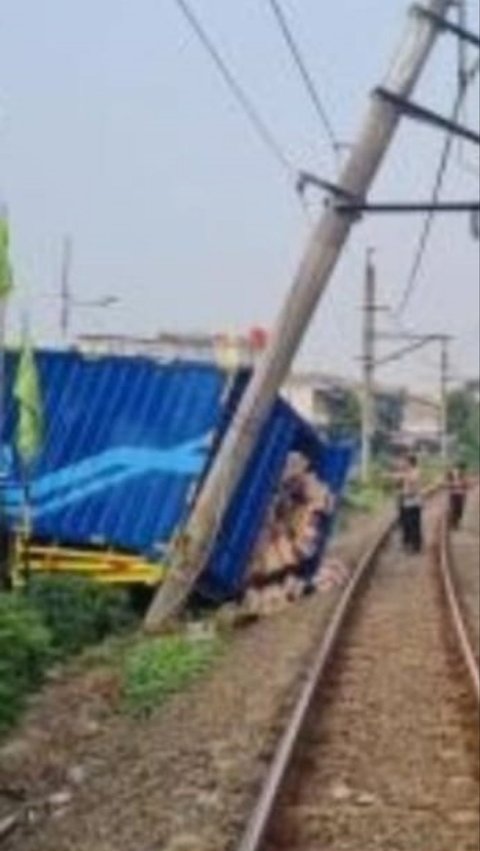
(107,469)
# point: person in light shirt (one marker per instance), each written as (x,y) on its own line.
(410,504)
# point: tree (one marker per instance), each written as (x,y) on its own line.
(464,424)
(345,414)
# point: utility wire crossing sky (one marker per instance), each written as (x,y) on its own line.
(117,129)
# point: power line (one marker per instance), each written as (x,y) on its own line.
(463,73)
(420,253)
(428,225)
(242,98)
(306,77)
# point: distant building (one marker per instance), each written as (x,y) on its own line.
(421,425)
(228,351)
(315,396)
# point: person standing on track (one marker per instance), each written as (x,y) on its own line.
(457,486)
(411,505)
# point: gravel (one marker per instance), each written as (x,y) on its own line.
(185,778)
(391,761)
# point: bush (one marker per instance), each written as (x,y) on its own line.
(25,652)
(156,668)
(78,611)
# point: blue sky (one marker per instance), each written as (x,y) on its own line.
(115,127)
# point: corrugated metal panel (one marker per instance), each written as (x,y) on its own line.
(285,432)
(125,441)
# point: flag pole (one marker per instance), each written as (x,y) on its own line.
(6,284)
(26,526)
(4,554)
(27,392)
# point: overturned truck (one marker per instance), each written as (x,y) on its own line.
(127,445)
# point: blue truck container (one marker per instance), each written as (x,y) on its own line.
(127,444)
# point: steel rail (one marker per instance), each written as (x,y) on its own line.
(446,566)
(259,820)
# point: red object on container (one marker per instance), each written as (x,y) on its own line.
(258,338)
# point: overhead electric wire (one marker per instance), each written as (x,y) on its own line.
(437,189)
(463,72)
(306,77)
(260,126)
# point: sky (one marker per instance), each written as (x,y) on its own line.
(116,128)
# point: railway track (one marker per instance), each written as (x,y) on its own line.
(381,751)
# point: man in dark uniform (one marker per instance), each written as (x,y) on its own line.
(457,484)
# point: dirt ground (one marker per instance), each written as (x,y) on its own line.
(83,777)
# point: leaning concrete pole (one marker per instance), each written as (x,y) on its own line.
(191,553)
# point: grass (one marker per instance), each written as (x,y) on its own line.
(367,498)
(25,654)
(79,612)
(53,621)
(155,669)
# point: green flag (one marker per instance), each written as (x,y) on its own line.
(27,392)
(6,276)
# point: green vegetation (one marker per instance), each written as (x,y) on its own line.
(464,424)
(367,498)
(345,415)
(54,620)
(25,652)
(78,611)
(154,669)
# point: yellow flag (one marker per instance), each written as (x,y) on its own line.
(27,392)
(6,277)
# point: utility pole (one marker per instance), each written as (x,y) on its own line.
(419,341)
(189,557)
(444,382)
(65,292)
(368,361)
(68,301)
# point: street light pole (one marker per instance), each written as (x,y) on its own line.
(65,294)
(67,298)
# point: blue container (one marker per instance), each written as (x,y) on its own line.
(127,445)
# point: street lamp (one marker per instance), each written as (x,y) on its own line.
(69,303)
(67,298)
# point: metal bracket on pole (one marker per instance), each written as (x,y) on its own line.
(406,350)
(421,113)
(351,202)
(405,335)
(419,207)
(448,26)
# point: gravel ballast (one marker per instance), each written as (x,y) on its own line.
(390,756)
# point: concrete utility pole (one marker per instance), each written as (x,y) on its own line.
(368,361)
(190,556)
